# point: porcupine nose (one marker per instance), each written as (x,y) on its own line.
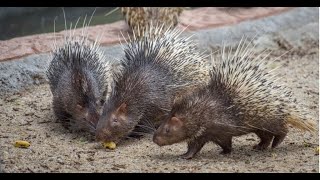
(158,140)
(99,137)
(102,135)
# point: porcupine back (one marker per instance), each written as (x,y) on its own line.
(79,55)
(155,69)
(178,54)
(79,75)
(253,89)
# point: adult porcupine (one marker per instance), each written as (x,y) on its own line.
(79,77)
(155,69)
(241,97)
(140,18)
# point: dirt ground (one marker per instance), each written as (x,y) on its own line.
(28,116)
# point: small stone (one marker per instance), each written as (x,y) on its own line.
(60,161)
(317,150)
(90,159)
(44,108)
(29,113)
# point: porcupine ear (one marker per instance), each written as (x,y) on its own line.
(122,109)
(176,122)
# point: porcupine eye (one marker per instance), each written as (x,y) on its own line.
(114,123)
(167,130)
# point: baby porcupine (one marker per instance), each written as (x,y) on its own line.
(241,97)
(140,18)
(155,69)
(79,79)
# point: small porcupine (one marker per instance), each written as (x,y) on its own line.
(140,18)
(156,68)
(80,79)
(240,98)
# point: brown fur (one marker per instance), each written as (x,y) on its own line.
(202,117)
(155,70)
(241,97)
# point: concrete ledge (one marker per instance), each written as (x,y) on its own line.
(298,28)
(293,19)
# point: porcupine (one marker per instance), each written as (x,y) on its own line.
(80,80)
(241,97)
(140,18)
(156,69)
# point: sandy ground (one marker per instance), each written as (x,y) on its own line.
(28,116)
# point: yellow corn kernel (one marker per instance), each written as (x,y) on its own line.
(109,145)
(22,144)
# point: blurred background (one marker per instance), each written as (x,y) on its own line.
(22,21)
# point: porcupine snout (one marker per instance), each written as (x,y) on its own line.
(102,136)
(158,140)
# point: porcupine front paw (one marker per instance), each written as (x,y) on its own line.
(187,155)
(193,148)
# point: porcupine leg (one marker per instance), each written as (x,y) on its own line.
(266,138)
(194,147)
(225,143)
(279,137)
(65,119)
(277,140)
(136,133)
(62,115)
